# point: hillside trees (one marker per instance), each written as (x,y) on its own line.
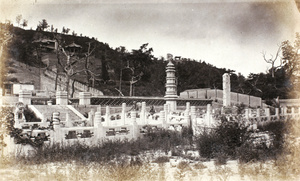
(5,38)
(291,58)
(140,59)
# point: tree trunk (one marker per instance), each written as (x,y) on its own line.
(73,88)
(56,81)
(67,84)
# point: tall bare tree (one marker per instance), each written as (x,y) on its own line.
(67,64)
(272,61)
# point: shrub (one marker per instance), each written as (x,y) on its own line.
(161,159)
(30,116)
(222,140)
(207,143)
(266,144)
(221,158)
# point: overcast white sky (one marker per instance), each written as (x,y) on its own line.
(226,33)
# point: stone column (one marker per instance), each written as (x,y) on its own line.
(208,114)
(49,103)
(258,114)
(99,109)
(285,110)
(68,121)
(56,127)
(44,120)
(85,98)
(226,90)
(61,98)
(193,116)
(188,106)
(222,110)
(247,114)
(91,117)
(107,116)
(293,111)
(134,125)
(166,111)
(162,118)
(123,116)
(25,97)
(98,125)
(97,119)
(143,113)
(187,116)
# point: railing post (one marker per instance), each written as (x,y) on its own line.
(188,106)
(143,113)
(187,116)
(293,112)
(85,98)
(166,111)
(163,119)
(267,112)
(285,110)
(193,117)
(25,97)
(56,127)
(68,121)
(258,114)
(277,113)
(247,114)
(123,116)
(61,98)
(98,125)
(91,117)
(134,124)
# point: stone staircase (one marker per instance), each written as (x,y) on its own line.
(48,110)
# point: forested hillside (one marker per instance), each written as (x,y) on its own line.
(114,70)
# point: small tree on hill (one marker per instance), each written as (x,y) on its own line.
(43,25)
(24,23)
(18,19)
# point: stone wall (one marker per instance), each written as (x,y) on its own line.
(216,94)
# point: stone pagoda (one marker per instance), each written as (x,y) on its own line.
(171,86)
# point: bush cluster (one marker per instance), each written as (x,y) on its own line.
(234,140)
